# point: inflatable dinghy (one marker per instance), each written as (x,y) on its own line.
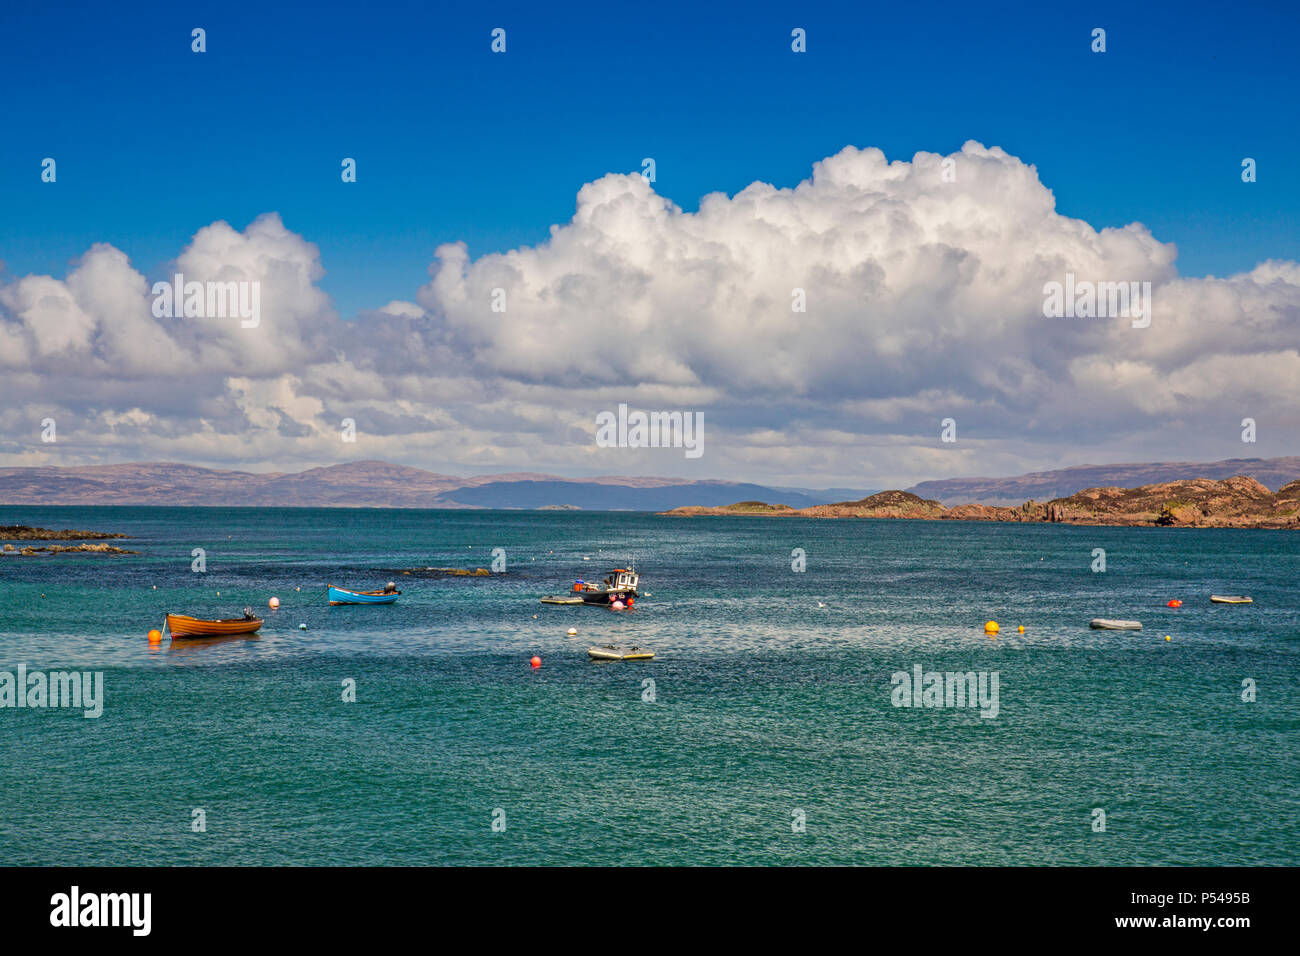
(1230,599)
(563,599)
(608,652)
(1106,624)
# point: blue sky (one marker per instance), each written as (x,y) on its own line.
(153,142)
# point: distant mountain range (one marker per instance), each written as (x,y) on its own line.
(373,484)
(377,484)
(1272,473)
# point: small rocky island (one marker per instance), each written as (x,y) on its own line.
(1238,502)
(442,572)
(20,532)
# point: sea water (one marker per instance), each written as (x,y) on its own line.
(764,732)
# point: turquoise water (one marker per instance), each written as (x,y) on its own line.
(766,702)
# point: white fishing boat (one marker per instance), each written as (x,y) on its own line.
(619,585)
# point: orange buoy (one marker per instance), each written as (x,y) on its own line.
(1174,603)
(536,662)
(273,603)
(155,636)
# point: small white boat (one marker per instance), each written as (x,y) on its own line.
(1230,599)
(1108,624)
(608,652)
(563,599)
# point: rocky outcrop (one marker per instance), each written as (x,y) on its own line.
(22,532)
(886,504)
(1237,502)
(63,548)
(443,572)
(739,508)
(1273,473)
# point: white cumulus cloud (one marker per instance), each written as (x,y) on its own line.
(923,300)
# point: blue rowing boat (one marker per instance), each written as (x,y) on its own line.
(343,596)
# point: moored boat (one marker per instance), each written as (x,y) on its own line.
(619,585)
(610,652)
(1230,599)
(182,625)
(1110,624)
(340,595)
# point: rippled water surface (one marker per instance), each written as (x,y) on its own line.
(772,693)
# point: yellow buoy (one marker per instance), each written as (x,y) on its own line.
(991,627)
(1021,629)
(1168,638)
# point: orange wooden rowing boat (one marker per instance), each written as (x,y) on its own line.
(182,625)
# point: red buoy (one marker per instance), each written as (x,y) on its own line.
(1175,603)
(536,662)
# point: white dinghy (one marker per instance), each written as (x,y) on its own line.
(1109,624)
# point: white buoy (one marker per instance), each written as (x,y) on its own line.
(573,632)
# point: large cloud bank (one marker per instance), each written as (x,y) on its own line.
(922,286)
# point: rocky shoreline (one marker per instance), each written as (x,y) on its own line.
(441,572)
(1237,502)
(65,548)
(22,532)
